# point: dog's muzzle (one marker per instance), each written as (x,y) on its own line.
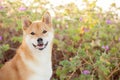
(40,46)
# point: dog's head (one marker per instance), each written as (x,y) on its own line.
(38,34)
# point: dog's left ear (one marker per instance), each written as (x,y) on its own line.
(47,18)
(26,23)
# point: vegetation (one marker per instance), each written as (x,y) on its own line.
(86,44)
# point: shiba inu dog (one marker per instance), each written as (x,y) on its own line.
(33,58)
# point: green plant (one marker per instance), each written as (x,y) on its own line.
(86,44)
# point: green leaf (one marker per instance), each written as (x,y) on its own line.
(5,47)
(17,39)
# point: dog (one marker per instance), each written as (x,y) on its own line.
(33,58)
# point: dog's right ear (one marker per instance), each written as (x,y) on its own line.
(26,23)
(47,18)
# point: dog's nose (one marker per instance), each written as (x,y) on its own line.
(39,40)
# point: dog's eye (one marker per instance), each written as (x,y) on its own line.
(44,31)
(32,33)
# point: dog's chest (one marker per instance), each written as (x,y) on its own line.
(41,68)
(41,72)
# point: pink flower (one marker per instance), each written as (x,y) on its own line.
(0,38)
(80,18)
(108,21)
(86,29)
(106,47)
(22,9)
(86,72)
(1,7)
(119,39)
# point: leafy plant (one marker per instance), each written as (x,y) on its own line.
(86,44)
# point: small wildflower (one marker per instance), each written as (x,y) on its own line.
(106,47)
(0,38)
(119,39)
(86,29)
(1,7)
(108,21)
(80,18)
(86,72)
(22,9)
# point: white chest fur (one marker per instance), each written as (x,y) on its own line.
(42,68)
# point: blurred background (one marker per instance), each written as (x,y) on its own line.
(87,35)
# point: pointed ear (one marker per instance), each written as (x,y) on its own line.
(47,18)
(26,23)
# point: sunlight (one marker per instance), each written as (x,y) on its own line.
(101,3)
(27,2)
(105,5)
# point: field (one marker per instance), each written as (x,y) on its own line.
(86,44)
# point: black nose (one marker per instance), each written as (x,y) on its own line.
(39,40)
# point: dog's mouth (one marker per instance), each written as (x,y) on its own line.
(40,46)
